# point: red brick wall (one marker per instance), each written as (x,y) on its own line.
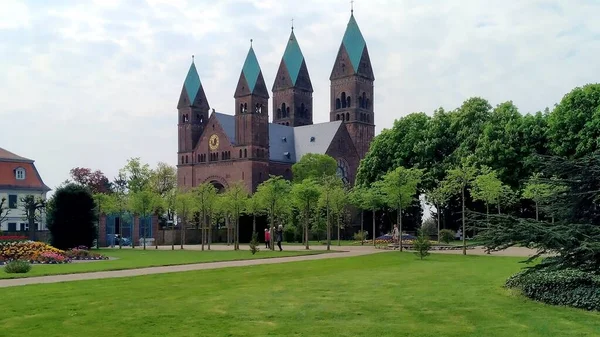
(102,231)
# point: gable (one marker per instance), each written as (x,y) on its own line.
(315,138)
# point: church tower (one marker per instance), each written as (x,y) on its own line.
(251,110)
(352,88)
(192,115)
(292,90)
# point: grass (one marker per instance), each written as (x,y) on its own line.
(386,294)
(138,258)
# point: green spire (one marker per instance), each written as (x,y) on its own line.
(354,42)
(192,83)
(292,57)
(251,69)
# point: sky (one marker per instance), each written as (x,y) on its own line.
(93,83)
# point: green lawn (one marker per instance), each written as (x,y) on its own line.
(138,258)
(386,294)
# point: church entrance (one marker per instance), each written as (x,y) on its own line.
(220,188)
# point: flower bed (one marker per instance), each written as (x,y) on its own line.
(39,252)
(12,238)
(82,253)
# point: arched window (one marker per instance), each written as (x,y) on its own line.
(343,117)
(349,101)
(337,117)
(347,116)
(302,110)
(241,108)
(245,153)
(364,100)
(344,102)
(287,123)
(201,118)
(287,111)
(338,103)
(217,156)
(186,158)
(198,158)
(240,153)
(283,110)
(245,108)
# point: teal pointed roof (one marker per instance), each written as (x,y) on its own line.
(354,42)
(292,57)
(251,69)
(192,83)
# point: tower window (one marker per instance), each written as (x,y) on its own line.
(182,159)
(349,101)
(278,113)
(337,117)
(367,104)
(241,108)
(186,158)
(344,102)
(338,103)
(240,153)
(347,116)
(245,153)
(199,158)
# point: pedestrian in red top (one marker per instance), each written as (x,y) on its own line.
(267,238)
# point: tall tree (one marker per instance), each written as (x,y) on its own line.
(373,201)
(96,181)
(137,174)
(487,188)
(438,196)
(72,217)
(163,181)
(338,202)
(253,206)
(305,196)
(4,209)
(399,188)
(122,203)
(105,204)
(33,207)
(237,197)
(541,190)
(272,195)
(144,203)
(314,166)
(185,205)
(206,197)
(456,182)
(331,185)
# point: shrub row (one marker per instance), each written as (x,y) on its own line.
(567,287)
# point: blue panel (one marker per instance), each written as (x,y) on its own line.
(251,69)
(110,230)
(192,83)
(146,227)
(293,58)
(354,42)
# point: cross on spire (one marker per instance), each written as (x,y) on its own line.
(292,23)
(192,58)
(352,6)
(250,42)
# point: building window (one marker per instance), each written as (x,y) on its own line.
(338,103)
(344,102)
(20,173)
(12,201)
(245,153)
(186,158)
(240,153)
(12,227)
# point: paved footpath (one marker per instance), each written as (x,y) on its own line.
(340,252)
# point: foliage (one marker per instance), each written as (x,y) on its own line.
(163,179)
(72,217)
(289,233)
(446,235)
(17,267)
(136,175)
(33,207)
(254,243)
(333,200)
(314,166)
(361,236)
(237,197)
(305,196)
(487,187)
(96,181)
(429,227)
(4,209)
(272,195)
(421,245)
(570,287)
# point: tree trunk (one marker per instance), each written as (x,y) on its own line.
(438,223)
(145,233)
(499,207)
(31,221)
(181,234)
(272,227)
(228,230)
(537,215)
(202,236)
(253,224)
(306,223)
(399,220)
(209,223)
(237,232)
(328,230)
(463,224)
(362,225)
(374,235)
(173,234)
(338,228)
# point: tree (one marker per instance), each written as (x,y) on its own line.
(373,200)
(96,181)
(144,203)
(185,204)
(105,203)
(4,209)
(136,174)
(456,182)
(338,203)
(206,198)
(163,181)
(315,166)
(33,207)
(487,188)
(399,188)
(121,199)
(438,196)
(237,197)
(422,245)
(253,206)
(331,185)
(305,196)
(71,217)
(272,196)
(539,191)
(357,196)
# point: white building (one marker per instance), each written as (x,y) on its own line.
(19,178)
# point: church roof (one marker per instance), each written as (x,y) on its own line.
(192,83)
(354,42)
(251,69)
(288,144)
(292,57)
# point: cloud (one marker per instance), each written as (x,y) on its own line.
(94,83)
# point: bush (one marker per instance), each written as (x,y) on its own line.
(429,227)
(17,267)
(421,245)
(569,287)
(446,235)
(289,233)
(254,244)
(360,236)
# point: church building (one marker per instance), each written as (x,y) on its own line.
(244,146)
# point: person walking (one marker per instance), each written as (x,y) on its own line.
(279,236)
(267,238)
